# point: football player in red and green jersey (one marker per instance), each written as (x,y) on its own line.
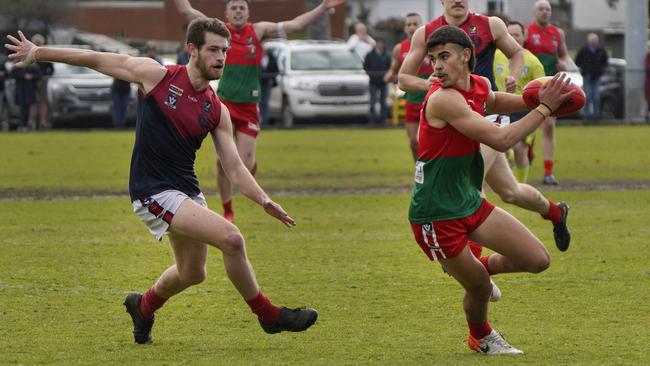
(239,87)
(547,42)
(447,207)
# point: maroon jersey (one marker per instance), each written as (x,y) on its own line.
(478,29)
(173,120)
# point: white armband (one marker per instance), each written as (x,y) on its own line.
(280,30)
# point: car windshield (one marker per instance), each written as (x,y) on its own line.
(65,69)
(337,59)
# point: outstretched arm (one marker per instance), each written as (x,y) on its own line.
(187,11)
(447,106)
(141,70)
(237,172)
(271,29)
(408,79)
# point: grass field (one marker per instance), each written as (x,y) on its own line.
(67,263)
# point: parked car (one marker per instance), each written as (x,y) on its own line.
(612,90)
(76,96)
(317,79)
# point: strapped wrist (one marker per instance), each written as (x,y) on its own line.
(31,56)
(544,110)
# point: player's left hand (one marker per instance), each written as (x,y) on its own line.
(278,212)
(23,49)
(511,84)
(332,3)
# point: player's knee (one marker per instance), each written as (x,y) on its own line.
(508,194)
(480,290)
(233,244)
(194,276)
(540,262)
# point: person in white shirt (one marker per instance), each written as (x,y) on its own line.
(361,42)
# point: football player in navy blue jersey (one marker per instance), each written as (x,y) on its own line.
(178,112)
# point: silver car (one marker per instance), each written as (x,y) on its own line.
(317,79)
(74,92)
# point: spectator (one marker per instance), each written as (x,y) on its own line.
(360,42)
(592,61)
(47,69)
(647,79)
(26,77)
(121,96)
(182,57)
(268,73)
(377,63)
(4,125)
(151,52)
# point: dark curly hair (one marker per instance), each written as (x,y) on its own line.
(451,34)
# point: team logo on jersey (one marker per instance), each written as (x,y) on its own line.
(172,98)
(204,121)
(537,39)
(207,106)
(171,101)
(473,30)
(175,90)
(249,39)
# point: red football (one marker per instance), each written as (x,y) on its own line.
(570,106)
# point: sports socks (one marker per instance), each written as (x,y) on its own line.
(554,213)
(548,167)
(521,173)
(484,262)
(150,303)
(227,207)
(479,330)
(263,308)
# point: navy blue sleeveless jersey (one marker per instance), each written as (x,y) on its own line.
(173,119)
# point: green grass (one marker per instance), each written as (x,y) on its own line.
(97,162)
(67,264)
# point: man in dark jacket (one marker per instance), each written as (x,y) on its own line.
(376,64)
(592,61)
(26,91)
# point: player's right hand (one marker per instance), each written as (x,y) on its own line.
(278,212)
(552,92)
(23,50)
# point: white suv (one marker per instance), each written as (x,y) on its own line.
(317,79)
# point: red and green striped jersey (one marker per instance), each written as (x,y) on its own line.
(449,170)
(423,72)
(544,42)
(240,82)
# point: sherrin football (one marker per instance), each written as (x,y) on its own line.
(570,106)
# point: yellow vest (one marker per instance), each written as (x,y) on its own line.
(532,70)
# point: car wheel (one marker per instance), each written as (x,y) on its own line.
(286,114)
(608,108)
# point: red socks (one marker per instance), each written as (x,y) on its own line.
(479,330)
(548,167)
(484,262)
(554,213)
(150,303)
(263,308)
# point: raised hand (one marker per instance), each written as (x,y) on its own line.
(23,50)
(278,212)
